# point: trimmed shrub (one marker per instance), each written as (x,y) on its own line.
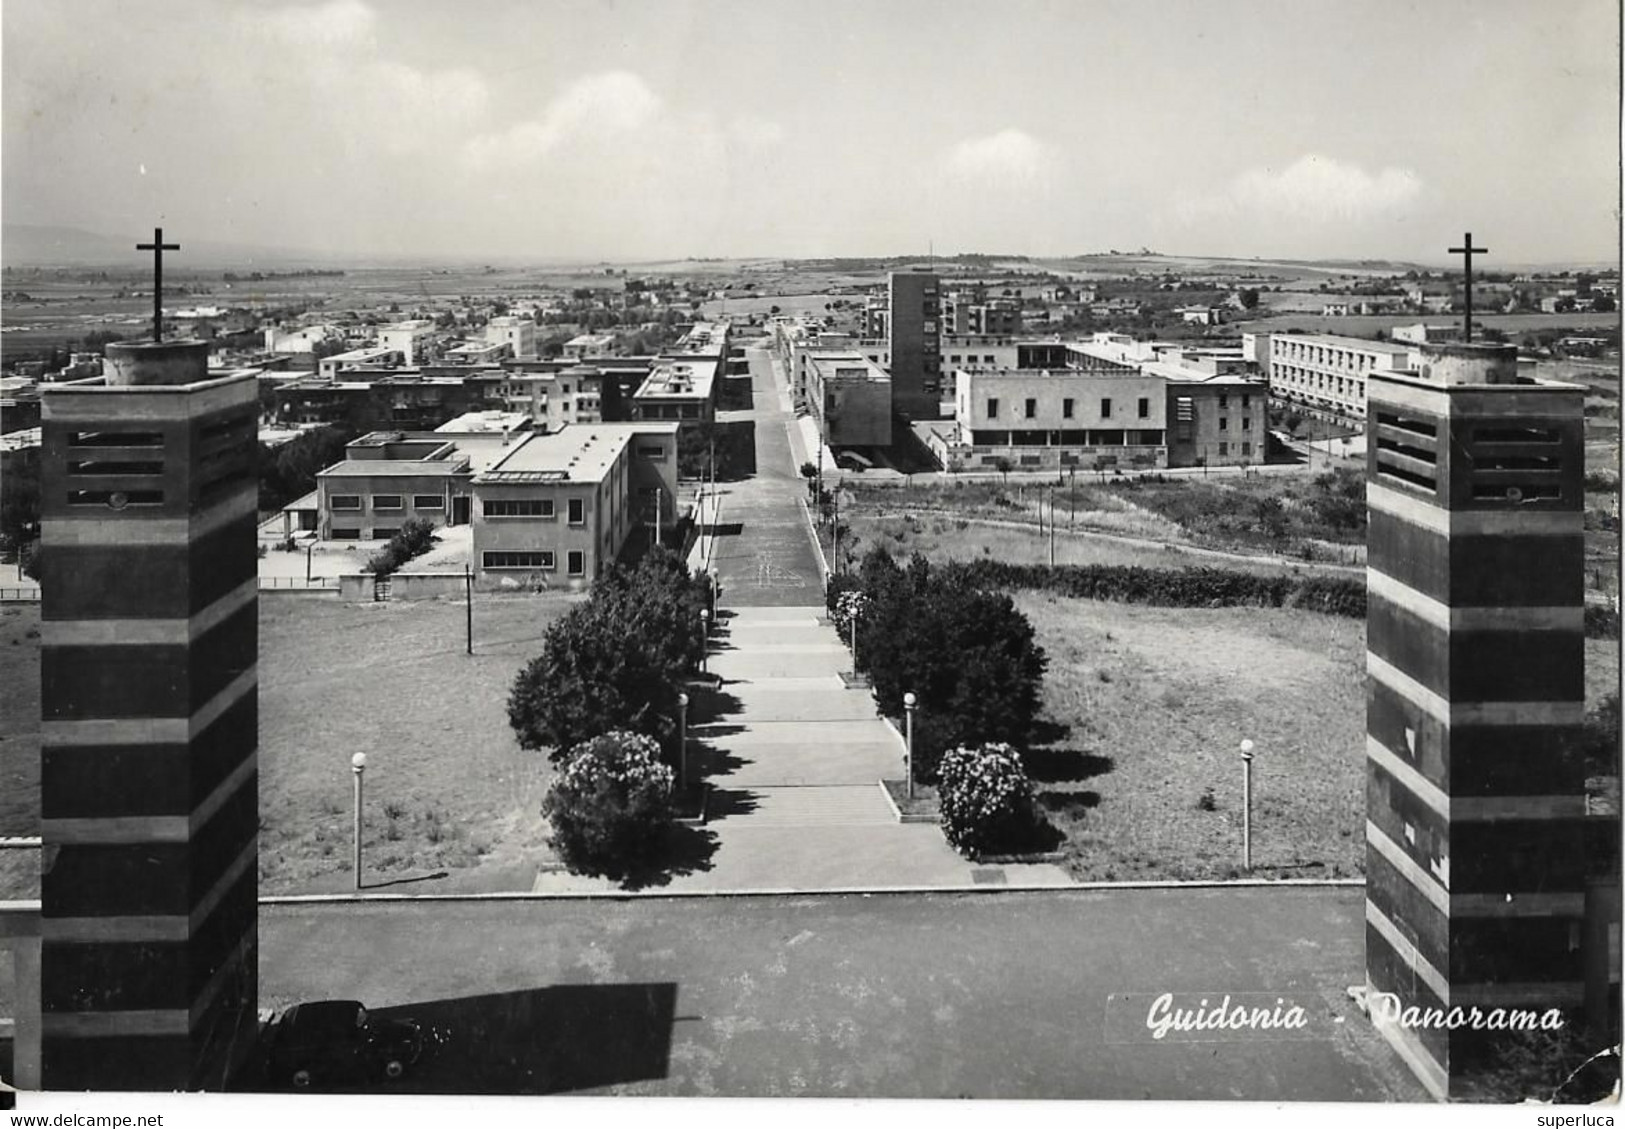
(1601,622)
(611,805)
(986,799)
(414,538)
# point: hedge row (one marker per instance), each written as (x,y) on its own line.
(1175,588)
(1206,588)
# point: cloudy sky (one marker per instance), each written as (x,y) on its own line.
(669,128)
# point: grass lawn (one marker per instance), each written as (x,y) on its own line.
(447,786)
(1157,701)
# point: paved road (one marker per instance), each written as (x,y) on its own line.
(998,995)
(765,556)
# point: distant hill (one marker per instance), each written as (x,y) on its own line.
(28,245)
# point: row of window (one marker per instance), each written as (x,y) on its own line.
(534,507)
(1030,408)
(970,359)
(544,559)
(386,502)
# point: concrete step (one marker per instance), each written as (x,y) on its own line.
(813,806)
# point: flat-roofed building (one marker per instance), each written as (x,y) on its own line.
(478,353)
(914,346)
(1326,373)
(1219,419)
(850,396)
(387,478)
(407,338)
(704,339)
(589,345)
(679,388)
(517,333)
(558,508)
(1061,418)
(328,368)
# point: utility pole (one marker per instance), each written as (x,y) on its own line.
(1052,527)
(468,604)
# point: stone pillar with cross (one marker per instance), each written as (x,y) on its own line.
(1467,251)
(149,705)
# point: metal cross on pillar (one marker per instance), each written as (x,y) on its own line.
(1467,251)
(157,247)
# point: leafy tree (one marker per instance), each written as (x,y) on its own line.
(1249,298)
(413,539)
(1604,304)
(1002,465)
(19,503)
(615,662)
(969,655)
(289,471)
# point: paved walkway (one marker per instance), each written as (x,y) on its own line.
(794,761)
(793,757)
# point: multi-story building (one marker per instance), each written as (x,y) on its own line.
(1038,418)
(517,333)
(328,368)
(559,508)
(850,397)
(417,400)
(407,338)
(478,353)
(914,348)
(587,345)
(680,388)
(1327,374)
(388,478)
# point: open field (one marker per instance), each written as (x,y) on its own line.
(1146,783)
(944,537)
(447,786)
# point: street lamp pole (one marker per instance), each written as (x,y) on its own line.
(682,742)
(308,549)
(909,703)
(358,766)
(705,640)
(1247,805)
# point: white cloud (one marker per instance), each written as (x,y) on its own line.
(339,23)
(1010,158)
(614,102)
(1312,190)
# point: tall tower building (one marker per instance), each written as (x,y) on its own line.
(916,347)
(149,789)
(1475,866)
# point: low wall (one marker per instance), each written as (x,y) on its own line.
(404,585)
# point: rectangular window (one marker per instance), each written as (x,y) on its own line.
(428,502)
(1224,449)
(1246,401)
(517,507)
(578,511)
(339,534)
(1032,408)
(1145,408)
(1224,401)
(1106,408)
(344,501)
(651,451)
(1246,448)
(1066,409)
(542,558)
(988,360)
(993,408)
(1224,424)
(1246,423)
(386,501)
(577,562)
